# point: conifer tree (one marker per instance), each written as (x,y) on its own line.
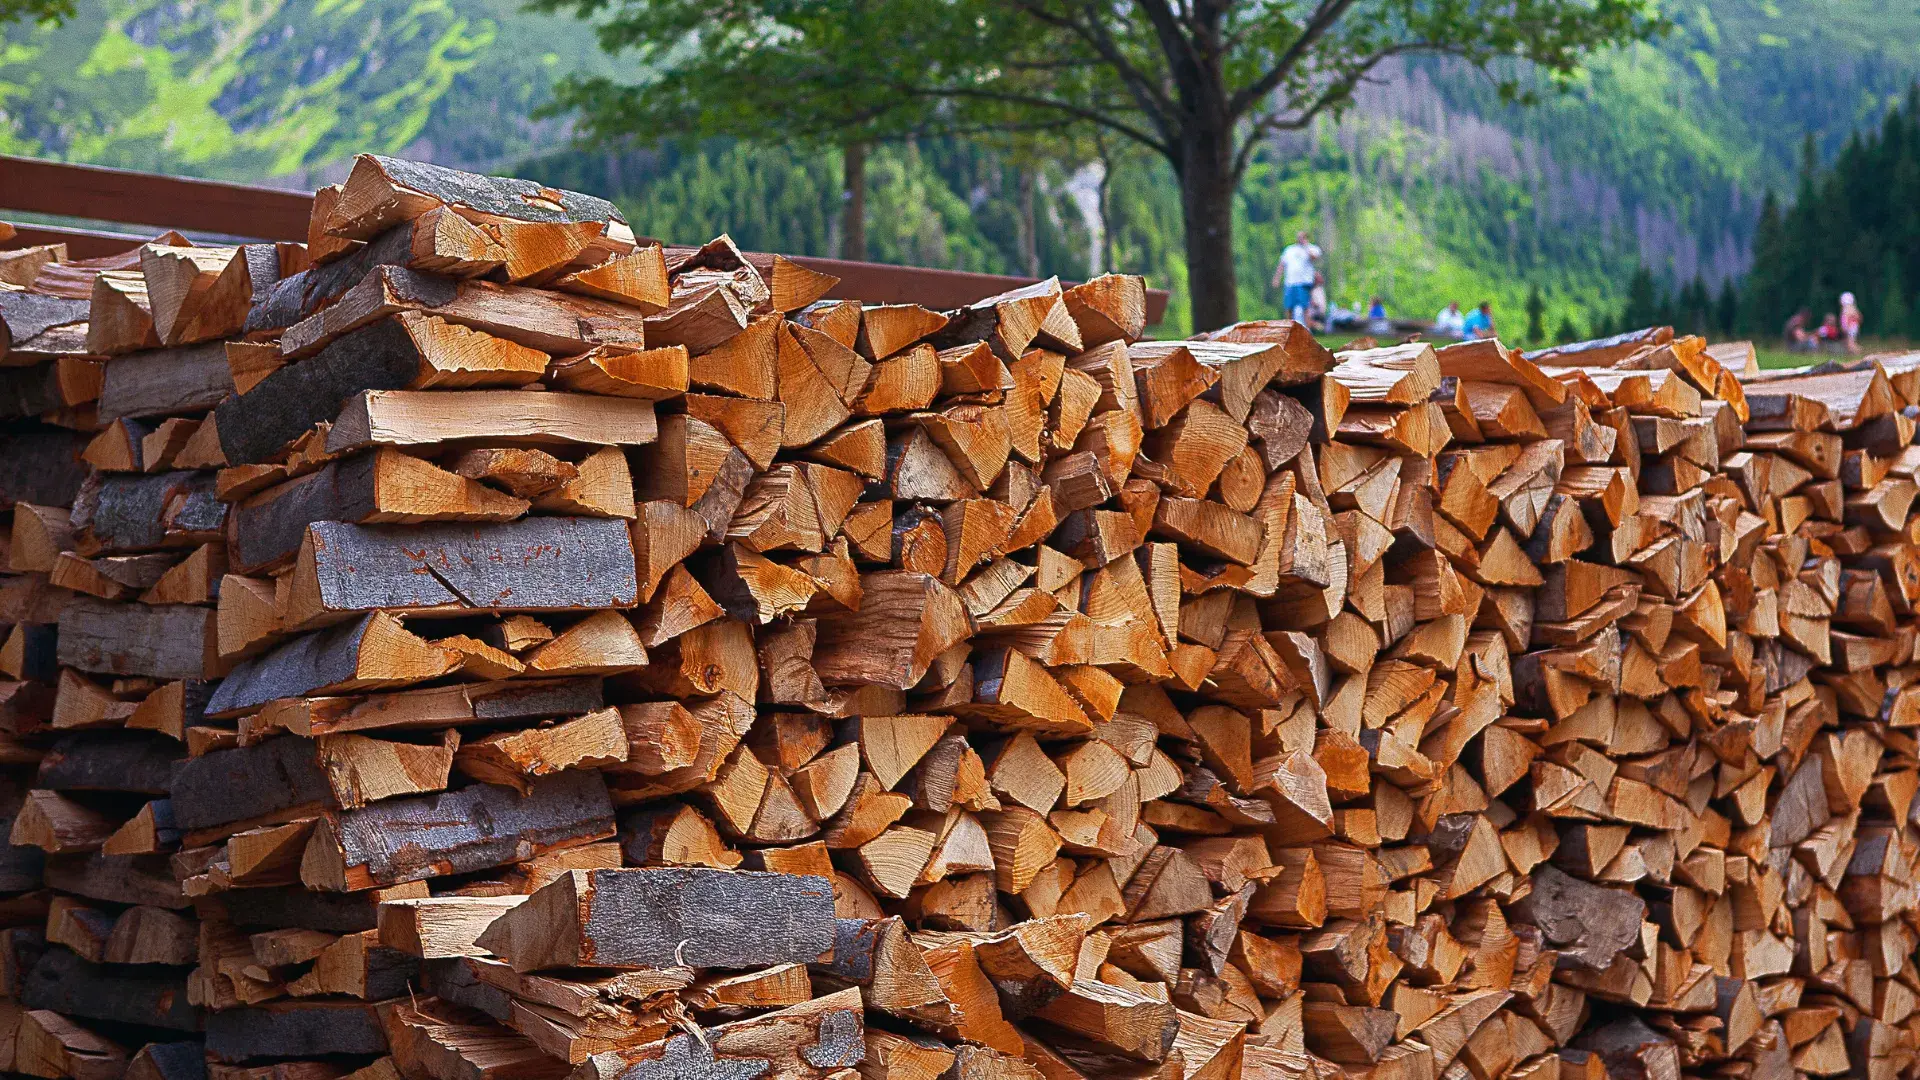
(1643,302)
(1896,315)
(1726,310)
(1536,313)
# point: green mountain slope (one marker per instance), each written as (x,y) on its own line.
(1428,190)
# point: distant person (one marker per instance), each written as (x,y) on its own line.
(1317,304)
(1479,322)
(1451,322)
(1829,333)
(1850,322)
(1377,323)
(1796,334)
(1295,274)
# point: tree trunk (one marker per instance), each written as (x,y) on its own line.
(1109,261)
(1029,226)
(1206,203)
(853,194)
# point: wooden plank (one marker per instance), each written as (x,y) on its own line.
(121,195)
(81,243)
(941,290)
(417,418)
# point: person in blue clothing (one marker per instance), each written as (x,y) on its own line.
(1377,322)
(1295,272)
(1479,322)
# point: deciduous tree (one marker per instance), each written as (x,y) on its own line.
(1203,83)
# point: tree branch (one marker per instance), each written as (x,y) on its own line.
(1177,46)
(1150,97)
(1324,17)
(1334,92)
(1092,116)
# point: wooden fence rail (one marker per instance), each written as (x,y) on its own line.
(252,212)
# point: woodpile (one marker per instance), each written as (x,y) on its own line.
(481,644)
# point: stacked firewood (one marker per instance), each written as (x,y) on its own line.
(130,563)
(46,381)
(487,645)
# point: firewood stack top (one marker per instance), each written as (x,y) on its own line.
(478,644)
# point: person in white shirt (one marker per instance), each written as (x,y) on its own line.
(1450,323)
(1295,273)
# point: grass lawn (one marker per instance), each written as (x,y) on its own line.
(1771,353)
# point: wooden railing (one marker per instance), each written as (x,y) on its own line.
(251,212)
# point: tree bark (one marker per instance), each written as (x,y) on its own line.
(1207,184)
(1109,260)
(853,194)
(1029,224)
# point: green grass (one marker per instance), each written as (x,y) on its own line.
(1772,355)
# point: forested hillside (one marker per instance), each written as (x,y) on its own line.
(1429,190)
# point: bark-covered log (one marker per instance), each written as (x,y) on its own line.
(384,191)
(166,382)
(41,467)
(455,832)
(116,514)
(170,642)
(118,879)
(248,782)
(288,403)
(658,917)
(139,761)
(368,653)
(147,995)
(536,564)
(295,1029)
(386,485)
(25,316)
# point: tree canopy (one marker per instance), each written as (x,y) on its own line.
(37,10)
(1200,82)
